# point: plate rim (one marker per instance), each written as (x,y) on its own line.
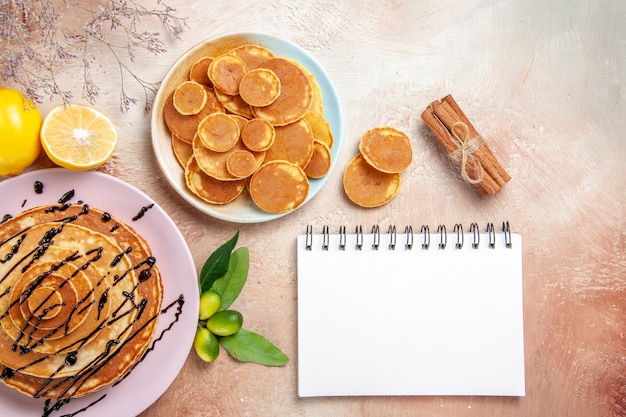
(157,123)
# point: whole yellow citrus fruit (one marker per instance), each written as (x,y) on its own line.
(20,123)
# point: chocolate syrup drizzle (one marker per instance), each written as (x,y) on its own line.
(25,342)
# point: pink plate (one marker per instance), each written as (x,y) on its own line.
(151,377)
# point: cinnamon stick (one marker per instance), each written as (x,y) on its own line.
(487,185)
(484,153)
(450,125)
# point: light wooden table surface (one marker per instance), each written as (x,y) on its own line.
(543,81)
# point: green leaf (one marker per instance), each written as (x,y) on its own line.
(217,264)
(231,283)
(246,346)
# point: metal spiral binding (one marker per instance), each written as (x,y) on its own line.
(309,237)
(376,233)
(326,238)
(507,234)
(342,238)
(458,229)
(491,232)
(359,237)
(408,231)
(443,236)
(425,231)
(392,237)
(476,232)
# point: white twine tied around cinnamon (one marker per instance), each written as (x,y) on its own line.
(466,148)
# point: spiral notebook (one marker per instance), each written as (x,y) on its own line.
(426,312)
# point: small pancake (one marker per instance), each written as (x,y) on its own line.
(258,135)
(226,72)
(320,128)
(241,163)
(199,71)
(253,55)
(317,103)
(214,163)
(218,132)
(320,161)
(295,96)
(293,143)
(386,149)
(182,150)
(368,187)
(185,127)
(235,104)
(189,98)
(259,87)
(209,189)
(279,186)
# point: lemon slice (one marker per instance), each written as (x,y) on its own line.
(78,137)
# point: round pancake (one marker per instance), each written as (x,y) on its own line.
(293,143)
(320,128)
(259,87)
(253,55)
(241,163)
(320,161)
(295,96)
(368,187)
(209,189)
(386,149)
(258,134)
(278,186)
(226,72)
(185,127)
(98,266)
(199,69)
(218,132)
(317,102)
(189,98)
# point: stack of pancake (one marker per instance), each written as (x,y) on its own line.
(244,118)
(80,295)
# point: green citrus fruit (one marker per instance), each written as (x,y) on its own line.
(225,323)
(20,124)
(210,302)
(206,345)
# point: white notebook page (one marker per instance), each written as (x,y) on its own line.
(410,322)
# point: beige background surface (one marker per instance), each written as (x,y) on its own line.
(543,81)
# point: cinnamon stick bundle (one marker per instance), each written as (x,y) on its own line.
(465,145)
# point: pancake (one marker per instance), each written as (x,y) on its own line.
(258,134)
(386,149)
(279,186)
(80,294)
(209,189)
(259,87)
(185,126)
(367,186)
(295,97)
(293,143)
(189,98)
(320,161)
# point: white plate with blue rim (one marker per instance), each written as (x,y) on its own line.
(242,209)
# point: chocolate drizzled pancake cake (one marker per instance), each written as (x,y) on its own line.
(80,294)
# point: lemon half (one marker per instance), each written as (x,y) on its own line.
(78,137)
